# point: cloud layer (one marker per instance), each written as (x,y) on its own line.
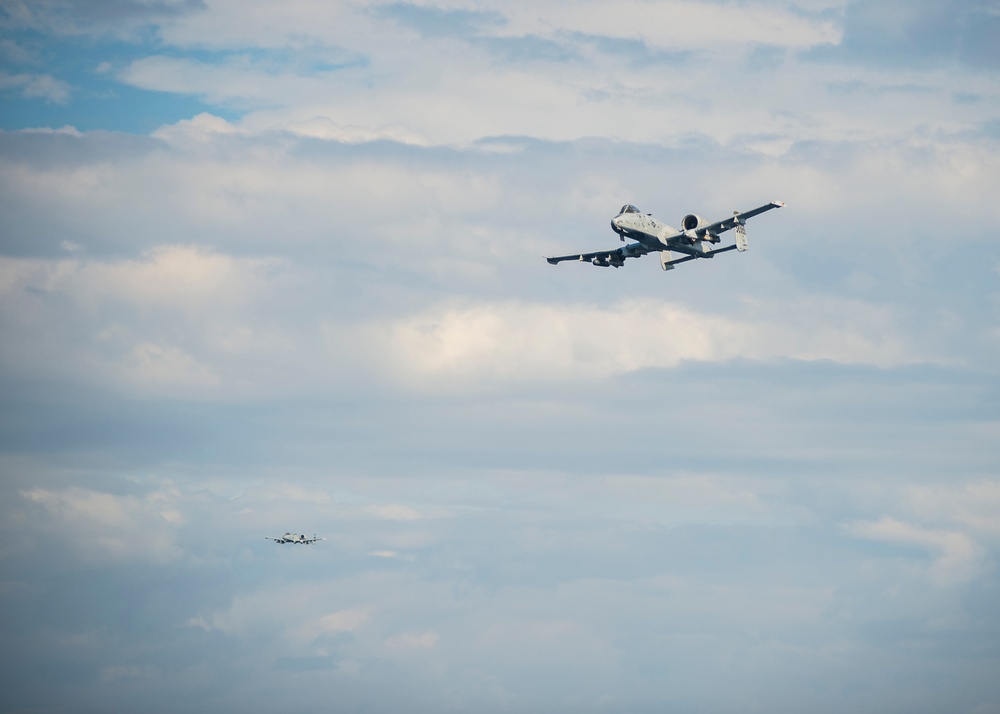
(279,268)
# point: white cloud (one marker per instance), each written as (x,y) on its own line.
(211,294)
(380,91)
(154,366)
(972,506)
(37,86)
(229,24)
(342,621)
(395,512)
(193,284)
(200,128)
(689,498)
(523,341)
(539,641)
(956,557)
(103,527)
(296,616)
(693,25)
(220,83)
(226,24)
(324,128)
(377,227)
(413,641)
(17,53)
(173,276)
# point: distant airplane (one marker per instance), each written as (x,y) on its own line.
(293,538)
(693,240)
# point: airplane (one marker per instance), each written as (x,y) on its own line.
(293,538)
(693,240)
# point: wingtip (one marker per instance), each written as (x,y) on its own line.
(779,204)
(551,261)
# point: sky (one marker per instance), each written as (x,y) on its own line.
(271,267)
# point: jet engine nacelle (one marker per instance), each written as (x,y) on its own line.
(615,259)
(692,222)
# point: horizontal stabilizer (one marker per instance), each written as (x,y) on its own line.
(741,239)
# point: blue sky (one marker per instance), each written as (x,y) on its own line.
(278,267)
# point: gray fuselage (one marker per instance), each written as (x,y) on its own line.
(654,235)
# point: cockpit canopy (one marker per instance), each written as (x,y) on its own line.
(629,208)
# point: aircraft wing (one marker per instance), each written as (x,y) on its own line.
(605,258)
(736,219)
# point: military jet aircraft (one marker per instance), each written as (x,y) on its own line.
(694,239)
(294,538)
